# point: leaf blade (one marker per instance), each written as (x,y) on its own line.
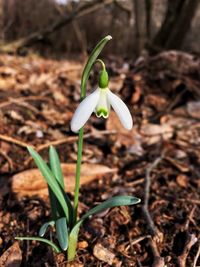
(57,171)
(55,166)
(44,240)
(44,227)
(62,233)
(49,177)
(110,203)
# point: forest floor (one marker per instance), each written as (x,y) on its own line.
(157,161)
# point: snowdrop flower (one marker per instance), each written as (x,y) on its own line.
(100,102)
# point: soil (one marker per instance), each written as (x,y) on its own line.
(158,161)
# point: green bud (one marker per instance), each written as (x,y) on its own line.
(103,79)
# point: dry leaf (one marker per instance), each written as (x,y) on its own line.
(154,133)
(12,257)
(182,180)
(31,182)
(103,254)
(157,101)
(182,167)
(193,109)
(131,139)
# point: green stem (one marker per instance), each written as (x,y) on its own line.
(78,174)
(71,252)
(102,63)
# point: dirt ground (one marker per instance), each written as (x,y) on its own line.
(157,161)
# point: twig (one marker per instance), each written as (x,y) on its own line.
(123,7)
(145,208)
(196,257)
(18,100)
(190,218)
(69,140)
(26,105)
(13,140)
(193,201)
(139,239)
(158,260)
(9,160)
(65,140)
(189,243)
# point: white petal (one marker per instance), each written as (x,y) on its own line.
(121,109)
(103,105)
(84,111)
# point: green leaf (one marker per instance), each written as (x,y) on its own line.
(56,166)
(62,233)
(50,179)
(44,227)
(110,203)
(57,171)
(56,208)
(54,246)
(93,56)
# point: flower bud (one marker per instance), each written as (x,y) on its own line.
(103,79)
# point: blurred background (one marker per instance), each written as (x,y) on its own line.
(65,27)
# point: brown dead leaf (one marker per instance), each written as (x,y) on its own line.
(131,139)
(182,167)
(103,254)
(157,101)
(12,257)
(153,133)
(193,109)
(182,180)
(31,182)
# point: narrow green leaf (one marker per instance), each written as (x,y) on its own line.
(56,208)
(62,233)
(54,246)
(56,166)
(44,227)
(93,56)
(110,203)
(57,171)
(50,179)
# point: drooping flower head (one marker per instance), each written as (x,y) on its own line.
(100,102)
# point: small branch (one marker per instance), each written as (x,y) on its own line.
(123,7)
(13,140)
(196,257)
(145,208)
(190,218)
(65,140)
(9,160)
(158,260)
(189,243)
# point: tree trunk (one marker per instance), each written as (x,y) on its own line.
(1,20)
(183,24)
(140,25)
(148,7)
(176,24)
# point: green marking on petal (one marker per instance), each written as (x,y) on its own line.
(101,112)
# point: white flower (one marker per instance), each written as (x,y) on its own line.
(99,102)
